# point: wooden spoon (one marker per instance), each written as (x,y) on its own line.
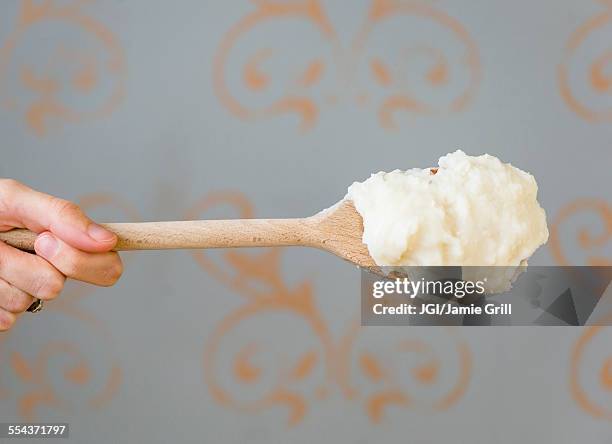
(338,229)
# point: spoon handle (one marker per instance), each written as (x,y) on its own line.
(192,234)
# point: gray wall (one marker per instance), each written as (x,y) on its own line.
(114,104)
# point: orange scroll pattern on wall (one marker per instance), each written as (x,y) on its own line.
(591,372)
(61,372)
(287,58)
(585,73)
(60,66)
(276,348)
(586,225)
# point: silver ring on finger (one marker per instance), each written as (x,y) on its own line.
(36,306)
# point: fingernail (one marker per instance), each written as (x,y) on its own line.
(46,245)
(97,233)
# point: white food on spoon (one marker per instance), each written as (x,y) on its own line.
(474,211)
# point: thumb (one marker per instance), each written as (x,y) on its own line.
(22,206)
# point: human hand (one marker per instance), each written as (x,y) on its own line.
(69,245)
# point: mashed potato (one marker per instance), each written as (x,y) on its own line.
(475,210)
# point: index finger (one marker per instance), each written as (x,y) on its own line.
(21,206)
